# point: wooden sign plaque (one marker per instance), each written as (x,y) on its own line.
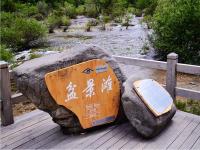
(90,89)
(156,98)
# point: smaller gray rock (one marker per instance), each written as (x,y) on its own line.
(139,115)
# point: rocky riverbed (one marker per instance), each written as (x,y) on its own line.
(116,39)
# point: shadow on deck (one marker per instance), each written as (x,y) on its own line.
(36,130)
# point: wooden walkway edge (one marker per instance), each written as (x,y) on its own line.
(36,130)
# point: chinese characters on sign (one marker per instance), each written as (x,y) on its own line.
(92,110)
(107,84)
(90,88)
(71,94)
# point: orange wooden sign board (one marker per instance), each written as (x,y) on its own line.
(90,89)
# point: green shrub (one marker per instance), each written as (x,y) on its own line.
(38,17)
(58,12)
(80,10)
(91,11)
(137,12)
(88,27)
(7,19)
(5,54)
(118,19)
(65,21)
(69,10)
(53,22)
(176,26)
(190,106)
(148,20)
(93,22)
(147,6)
(149,10)
(31,30)
(141,4)
(117,11)
(21,33)
(118,8)
(34,55)
(106,19)
(8,6)
(26,10)
(43,8)
(65,10)
(131,10)
(127,20)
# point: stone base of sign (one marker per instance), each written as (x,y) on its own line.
(30,81)
(142,119)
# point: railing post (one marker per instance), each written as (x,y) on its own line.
(6,105)
(172,60)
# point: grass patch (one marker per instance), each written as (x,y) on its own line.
(33,56)
(145,49)
(188,105)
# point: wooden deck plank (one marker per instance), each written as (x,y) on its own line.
(109,143)
(92,137)
(66,141)
(139,143)
(151,143)
(74,141)
(183,133)
(29,134)
(106,137)
(38,139)
(19,128)
(51,142)
(30,137)
(132,141)
(168,136)
(82,141)
(119,144)
(19,134)
(25,116)
(190,141)
(57,136)
(21,123)
(196,146)
(183,136)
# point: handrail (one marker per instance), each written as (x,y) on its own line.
(142,62)
(183,68)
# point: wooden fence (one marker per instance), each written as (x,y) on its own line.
(171,66)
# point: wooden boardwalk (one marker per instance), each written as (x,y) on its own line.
(36,130)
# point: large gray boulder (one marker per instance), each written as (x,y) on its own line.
(30,81)
(141,118)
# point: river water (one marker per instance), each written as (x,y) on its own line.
(115,39)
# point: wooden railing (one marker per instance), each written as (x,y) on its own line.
(171,66)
